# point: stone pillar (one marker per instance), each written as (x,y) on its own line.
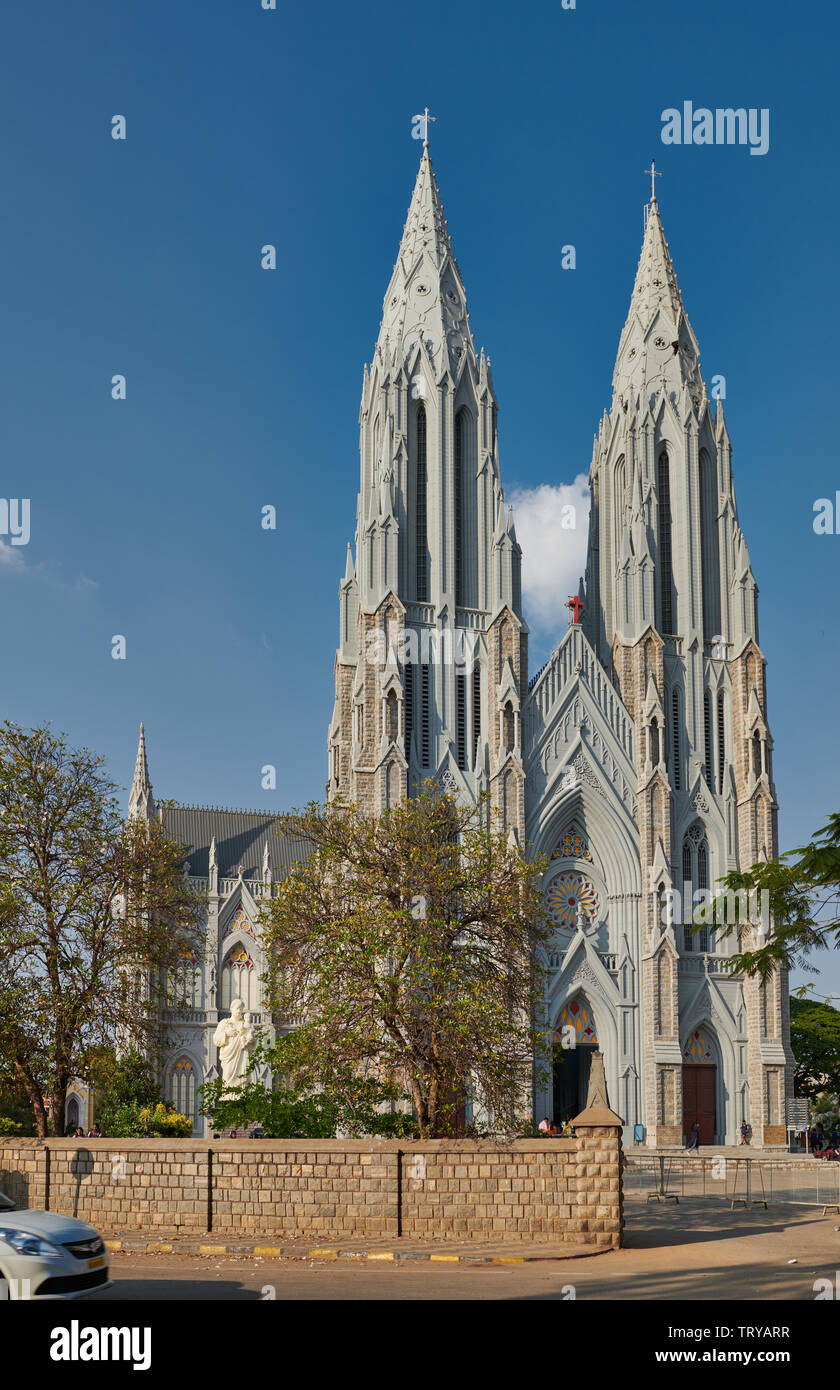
(597,1178)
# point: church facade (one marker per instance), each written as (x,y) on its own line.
(638,760)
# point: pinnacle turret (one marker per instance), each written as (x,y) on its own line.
(140,799)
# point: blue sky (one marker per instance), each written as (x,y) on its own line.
(294,127)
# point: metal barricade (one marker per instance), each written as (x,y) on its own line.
(742,1181)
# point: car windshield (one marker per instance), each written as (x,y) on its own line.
(6,1203)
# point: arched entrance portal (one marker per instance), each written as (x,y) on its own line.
(575,1041)
(699,1082)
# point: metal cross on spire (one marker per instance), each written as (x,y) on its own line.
(654,175)
(425,118)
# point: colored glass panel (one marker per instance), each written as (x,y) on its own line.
(568,894)
(572,845)
(697,1048)
(576,1016)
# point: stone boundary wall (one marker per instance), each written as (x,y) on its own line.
(538,1190)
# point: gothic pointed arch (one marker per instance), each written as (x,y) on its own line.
(709,544)
(182,1078)
(576,1021)
(665,569)
(619,501)
(464,500)
(696,878)
(421,541)
(239,976)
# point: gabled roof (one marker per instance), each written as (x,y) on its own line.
(241,838)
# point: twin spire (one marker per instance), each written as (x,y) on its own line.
(425,305)
(658,351)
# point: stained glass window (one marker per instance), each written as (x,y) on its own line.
(697,1048)
(576,1016)
(185,984)
(572,845)
(239,978)
(569,894)
(183,1085)
(239,922)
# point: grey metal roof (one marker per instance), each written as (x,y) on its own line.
(240,838)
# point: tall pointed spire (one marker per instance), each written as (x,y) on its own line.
(658,351)
(425,303)
(140,799)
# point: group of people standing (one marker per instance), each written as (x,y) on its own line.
(562,1131)
(826,1145)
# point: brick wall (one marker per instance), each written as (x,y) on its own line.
(556,1189)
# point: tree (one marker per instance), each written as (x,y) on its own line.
(347,1102)
(407,945)
(15,1110)
(803,892)
(91,912)
(815,1039)
(124,1083)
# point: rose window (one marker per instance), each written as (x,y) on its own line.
(569,895)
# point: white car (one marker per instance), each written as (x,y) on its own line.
(44,1255)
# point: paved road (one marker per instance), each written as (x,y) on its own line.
(698,1251)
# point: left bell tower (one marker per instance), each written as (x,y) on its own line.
(431,667)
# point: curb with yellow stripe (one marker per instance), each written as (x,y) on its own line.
(285,1252)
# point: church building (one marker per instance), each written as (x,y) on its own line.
(638,760)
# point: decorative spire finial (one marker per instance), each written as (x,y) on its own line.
(654,175)
(425,118)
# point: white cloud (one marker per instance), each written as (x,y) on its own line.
(11,556)
(552,525)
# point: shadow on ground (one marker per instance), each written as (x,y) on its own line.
(696,1221)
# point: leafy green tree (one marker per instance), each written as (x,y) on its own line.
(123,1083)
(348,1104)
(815,1039)
(406,946)
(803,888)
(15,1110)
(92,913)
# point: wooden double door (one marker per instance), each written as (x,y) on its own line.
(699,1091)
